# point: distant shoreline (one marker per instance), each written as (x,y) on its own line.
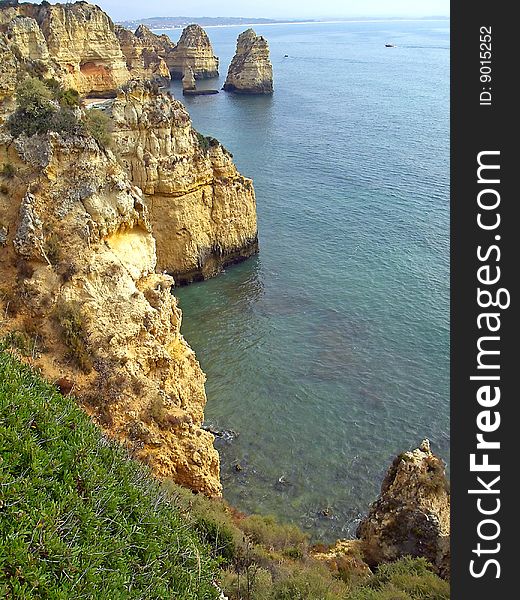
(439,19)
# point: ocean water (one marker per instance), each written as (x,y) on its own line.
(328,353)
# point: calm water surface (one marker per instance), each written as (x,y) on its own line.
(328,353)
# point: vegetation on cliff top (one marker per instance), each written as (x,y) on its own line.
(44,105)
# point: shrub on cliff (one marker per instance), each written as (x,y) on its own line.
(98,125)
(78,518)
(35,109)
(43,106)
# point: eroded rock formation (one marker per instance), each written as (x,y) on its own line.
(250,71)
(412,514)
(193,50)
(160,44)
(77,277)
(77,44)
(188,81)
(79,241)
(142,60)
(203,211)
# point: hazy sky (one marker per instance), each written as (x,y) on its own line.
(128,9)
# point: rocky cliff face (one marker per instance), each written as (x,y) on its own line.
(250,71)
(160,44)
(81,40)
(412,514)
(77,278)
(203,212)
(142,60)
(77,44)
(193,50)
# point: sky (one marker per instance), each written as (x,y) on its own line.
(121,10)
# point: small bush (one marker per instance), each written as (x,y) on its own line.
(34,108)
(42,107)
(256,585)
(206,142)
(98,125)
(52,249)
(72,324)
(67,97)
(405,579)
(312,583)
(266,531)
(18,340)
(65,121)
(8,171)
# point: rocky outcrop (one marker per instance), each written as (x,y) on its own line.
(188,81)
(77,277)
(412,514)
(203,211)
(142,60)
(160,44)
(250,71)
(78,45)
(193,50)
(81,40)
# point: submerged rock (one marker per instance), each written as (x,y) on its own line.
(250,71)
(412,514)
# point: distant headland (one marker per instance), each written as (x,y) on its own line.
(176,22)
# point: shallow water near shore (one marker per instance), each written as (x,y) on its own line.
(329,352)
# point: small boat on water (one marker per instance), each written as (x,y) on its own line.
(389,45)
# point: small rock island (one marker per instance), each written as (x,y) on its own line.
(250,71)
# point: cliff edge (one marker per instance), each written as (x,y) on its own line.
(77,44)
(202,210)
(77,264)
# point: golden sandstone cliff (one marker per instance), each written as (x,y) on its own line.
(79,45)
(84,232)
(75,43)
(77,258)
(193,50)
(250,71)
(203,211)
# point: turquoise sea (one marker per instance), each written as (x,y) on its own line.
(328,353)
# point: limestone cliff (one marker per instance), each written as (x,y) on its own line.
(193,50)
(412,514)
(75,43)
(160,44)
(203,212)
(250,71)
(142,60)
(77,277)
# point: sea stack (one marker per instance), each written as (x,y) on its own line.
(250,71)
(188,81)
(412,514)
(193,50)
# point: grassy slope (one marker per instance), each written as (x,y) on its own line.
(77,518)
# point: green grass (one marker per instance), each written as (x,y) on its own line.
(78,518)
